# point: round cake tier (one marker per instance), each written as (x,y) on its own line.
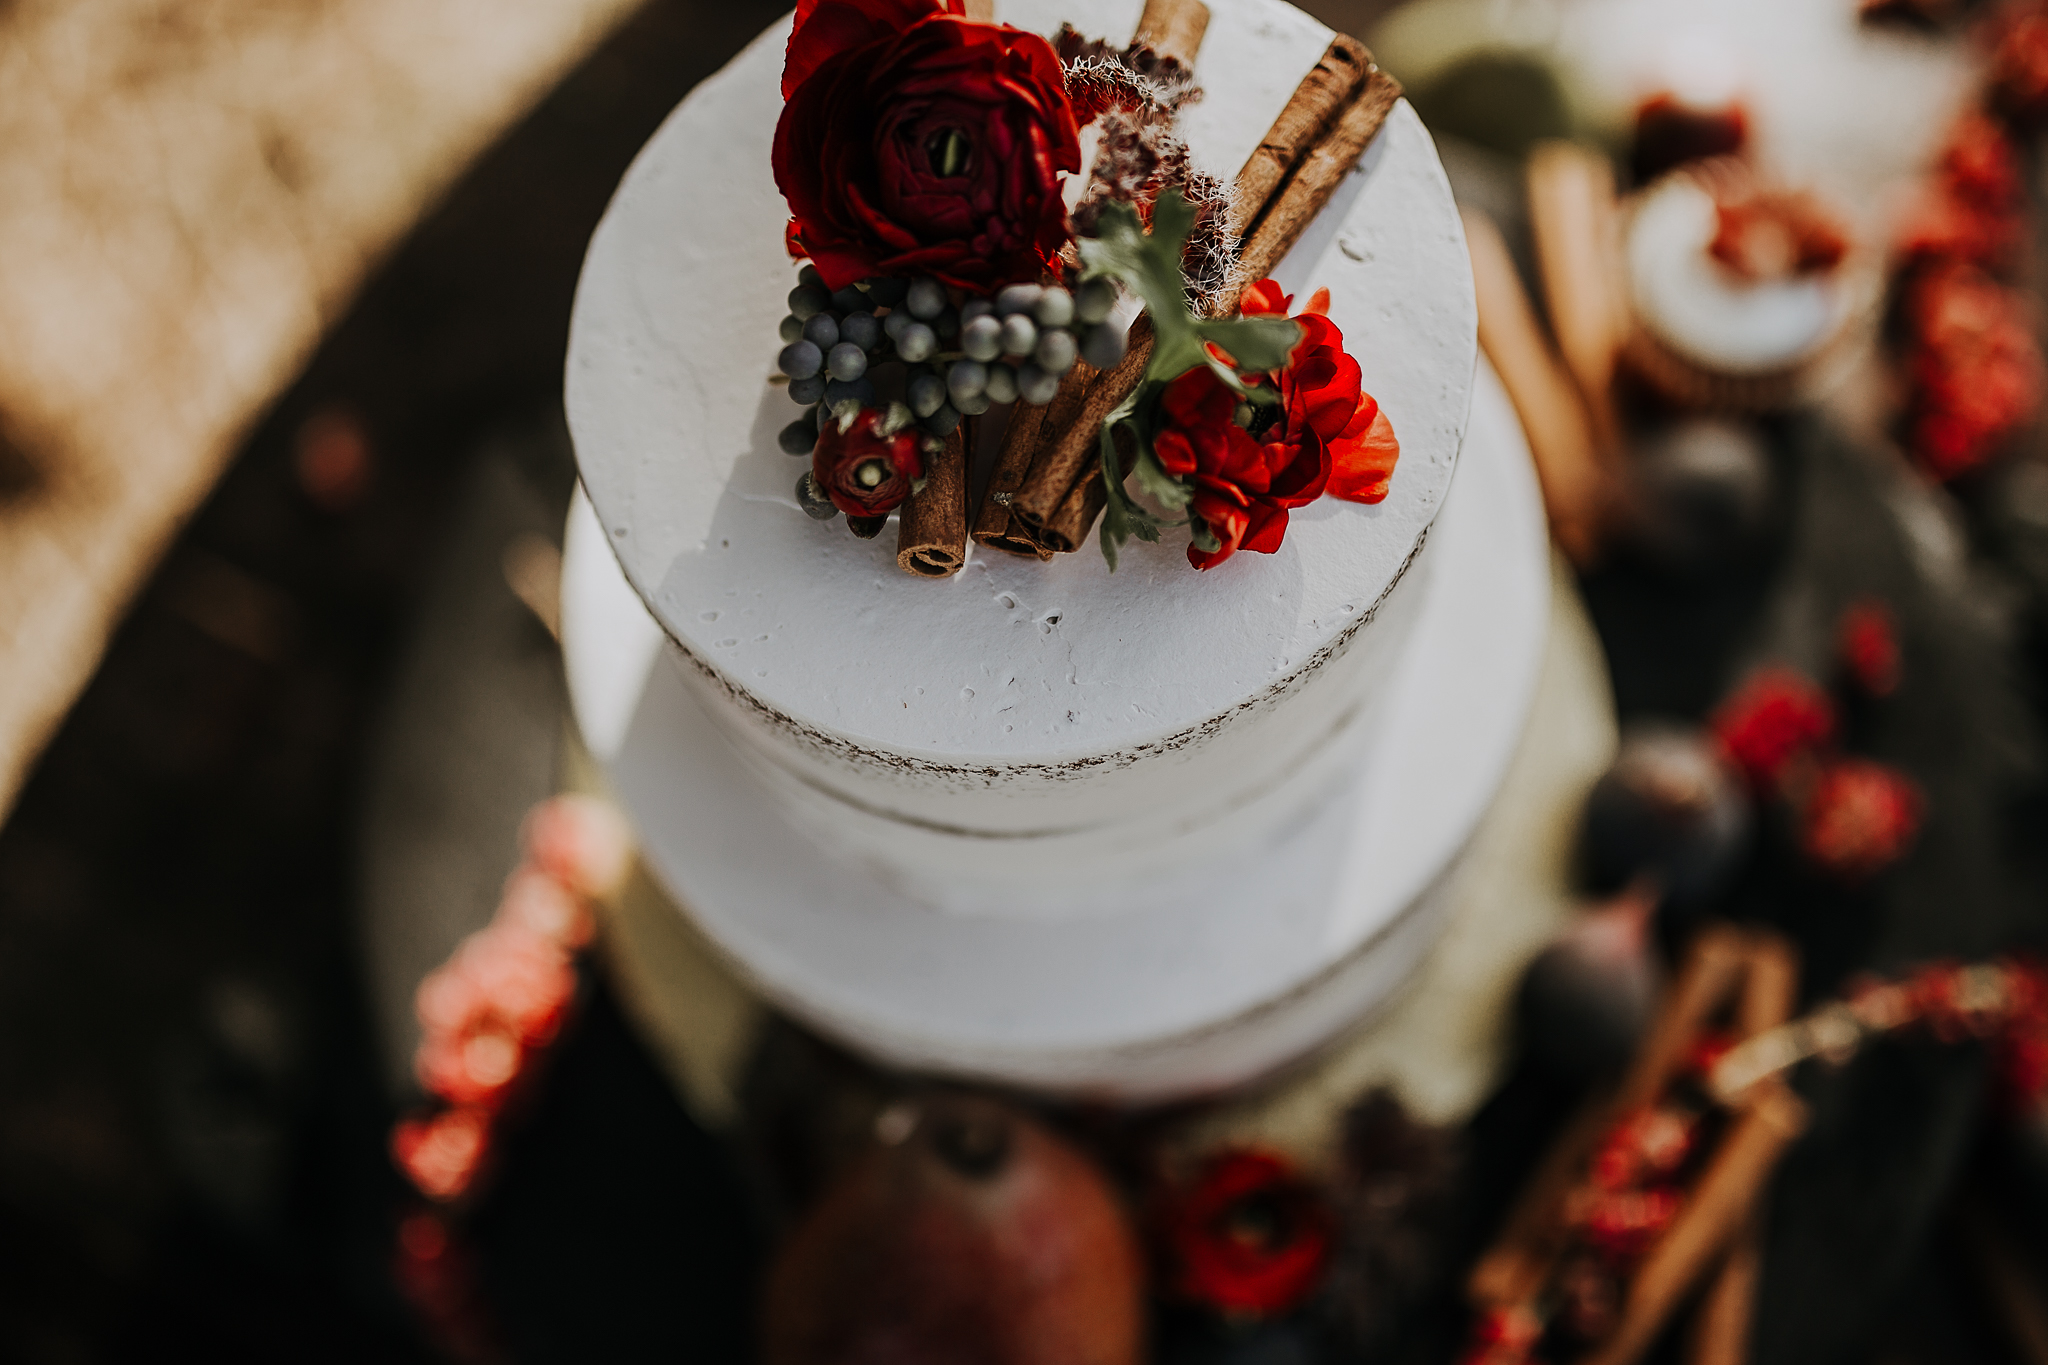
(1019,706)
(1235,963)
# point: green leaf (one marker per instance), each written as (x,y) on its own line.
(1158,485)
(1148,264)
(1259,344)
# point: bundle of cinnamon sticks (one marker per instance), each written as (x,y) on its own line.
(1046,490)
(1736,983)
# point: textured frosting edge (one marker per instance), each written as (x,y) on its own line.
(989,773)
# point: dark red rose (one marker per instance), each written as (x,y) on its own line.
(914,141)
(1776,717)
(1249,1237)
(867,467)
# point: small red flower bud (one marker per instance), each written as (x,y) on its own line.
(582,842)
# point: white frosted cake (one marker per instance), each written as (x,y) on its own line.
(1038,818)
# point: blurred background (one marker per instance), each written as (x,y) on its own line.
(284,292)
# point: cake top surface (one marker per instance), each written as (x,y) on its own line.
(1011,661)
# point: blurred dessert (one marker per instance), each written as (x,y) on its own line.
(1740,292)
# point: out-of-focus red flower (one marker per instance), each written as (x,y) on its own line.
(1503,1336)
(1621,1225)
(1973,205)
(442,1153)
(1646,1147)
(2022,1053)
(1975,369)
(2018,36)
(1861,818)
(525,980)
(1958,1001)
(1250,1237)
(582,842)
(914,141)
(475,1067)
(1707,1051)
(539,903)
(1867,642)
(1775,717)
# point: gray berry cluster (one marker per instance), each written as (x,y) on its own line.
(959,360)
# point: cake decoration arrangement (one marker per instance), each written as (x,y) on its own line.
(1145,370)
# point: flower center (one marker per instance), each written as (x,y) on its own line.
(870,473)
(1263,418)
(950,152)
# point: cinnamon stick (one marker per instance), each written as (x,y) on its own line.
(1719,1207)
(993,524)
(1030,429)
(1173,28)
(1321,171)
(1576,225)
(1577,491)
(1316,102)
(931,539)
(1072,452)
(1084,502)
(1721,1325)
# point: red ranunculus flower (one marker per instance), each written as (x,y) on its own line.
(1328,436)
(866,468)
(914,141)
(1777,716)
(1249,1237)
(1315,388)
